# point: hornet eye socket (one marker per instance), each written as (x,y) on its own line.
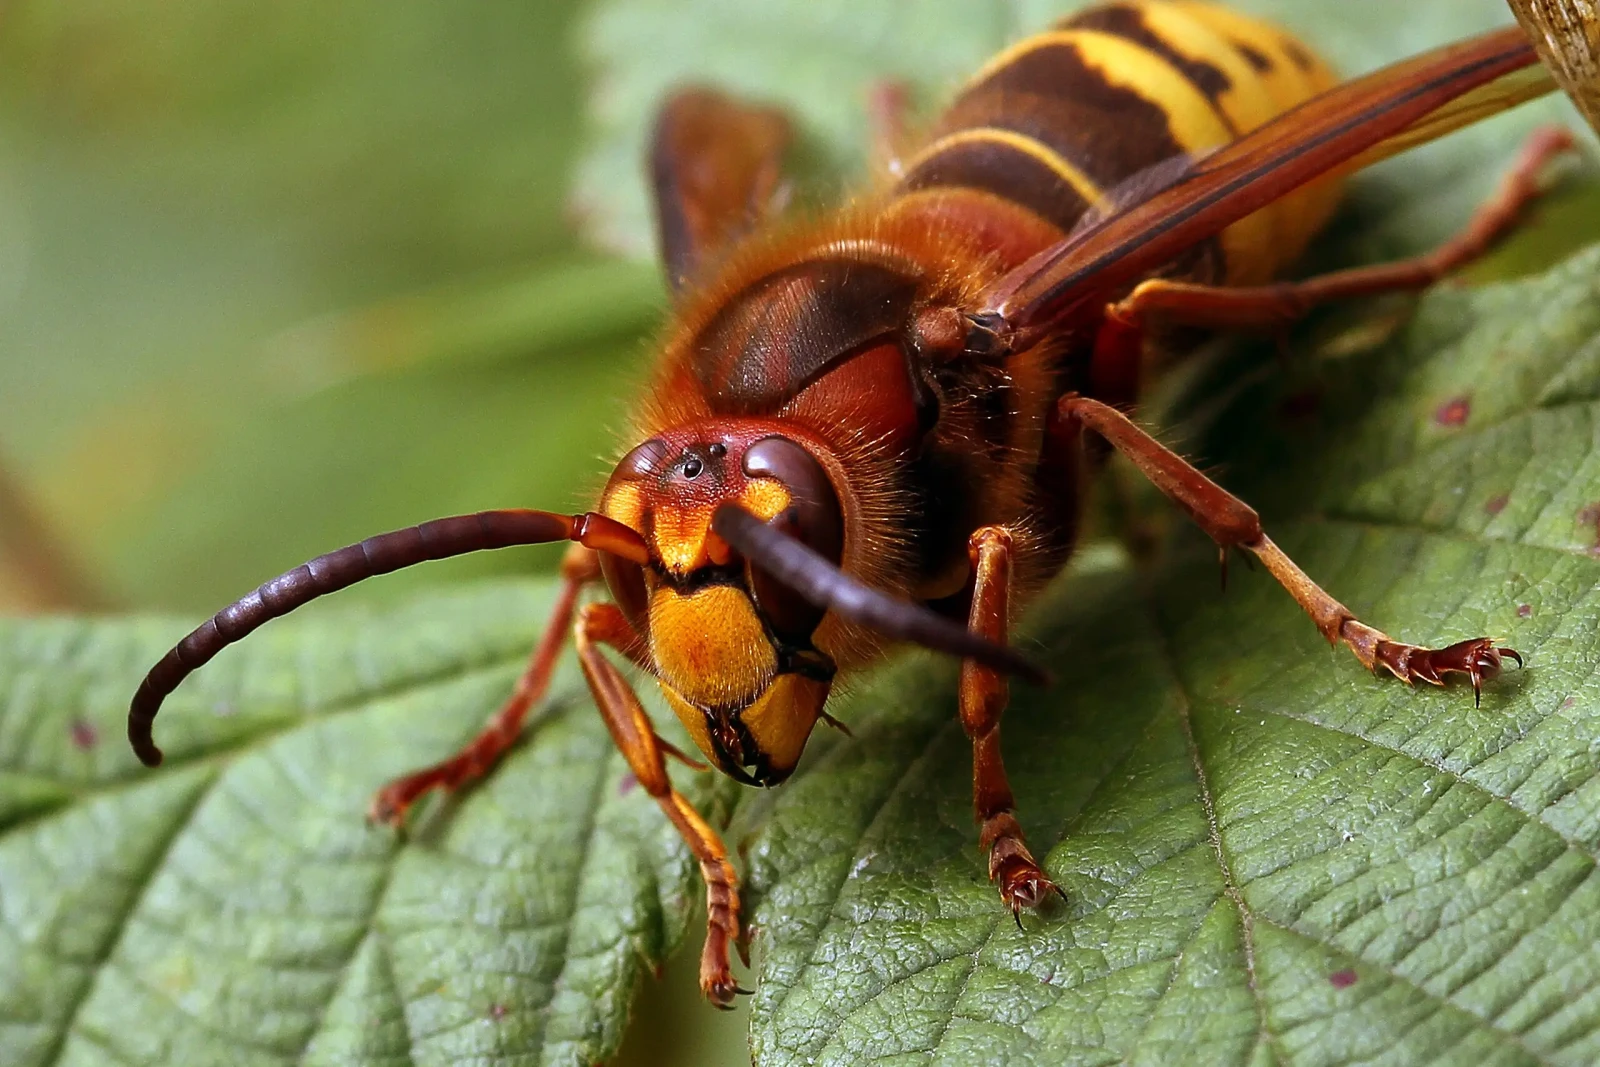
(813,517)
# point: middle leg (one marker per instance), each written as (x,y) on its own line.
(983,697)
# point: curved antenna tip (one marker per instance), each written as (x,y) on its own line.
(147,750)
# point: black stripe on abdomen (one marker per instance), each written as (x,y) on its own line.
(1005,163)
(1128,22)
(1053,94)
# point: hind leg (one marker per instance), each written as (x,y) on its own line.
(1232,523)
(1277,306)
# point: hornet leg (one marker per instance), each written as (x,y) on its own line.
(984,693)
(579,567)
(1277,306)
(1232,523)
(636,738)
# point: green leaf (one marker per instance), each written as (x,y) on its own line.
(233,907)
(1269,855)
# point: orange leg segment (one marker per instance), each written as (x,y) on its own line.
(630,728)
(1232,523)
(1276,306)
(984,693)
(579,567)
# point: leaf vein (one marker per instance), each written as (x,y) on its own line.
(142,878)
(1214,831)
(369,923)
(591,830)
(1438,1003)
(913,767)
(1583,848)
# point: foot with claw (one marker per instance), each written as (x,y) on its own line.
(1012,868)
(722,933)
(390,804)
(717,983)
(1479,659)
(721,989)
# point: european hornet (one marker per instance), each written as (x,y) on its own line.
(866,428)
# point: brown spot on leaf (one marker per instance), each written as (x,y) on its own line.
(1453,412)
(497,1011)
(84,735)
(1524,610)
(626,784)
(1343,979)
(1496,504)
(1589,515)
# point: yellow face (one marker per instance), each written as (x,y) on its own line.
(747,697)
(709,645)
(719,670)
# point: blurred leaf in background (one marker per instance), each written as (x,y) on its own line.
(183,188)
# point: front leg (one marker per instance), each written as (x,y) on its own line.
(1232,523)
(984,694)
(579,567)
(631,729)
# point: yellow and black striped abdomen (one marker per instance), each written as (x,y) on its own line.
(1059,121)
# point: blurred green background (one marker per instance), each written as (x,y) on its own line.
(276,276)
(273,277)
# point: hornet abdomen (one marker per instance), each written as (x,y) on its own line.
(1084,115)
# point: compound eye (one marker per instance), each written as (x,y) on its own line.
(625,579)
(643,461)
(813,517)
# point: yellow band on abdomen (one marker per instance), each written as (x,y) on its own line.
(1120,88)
